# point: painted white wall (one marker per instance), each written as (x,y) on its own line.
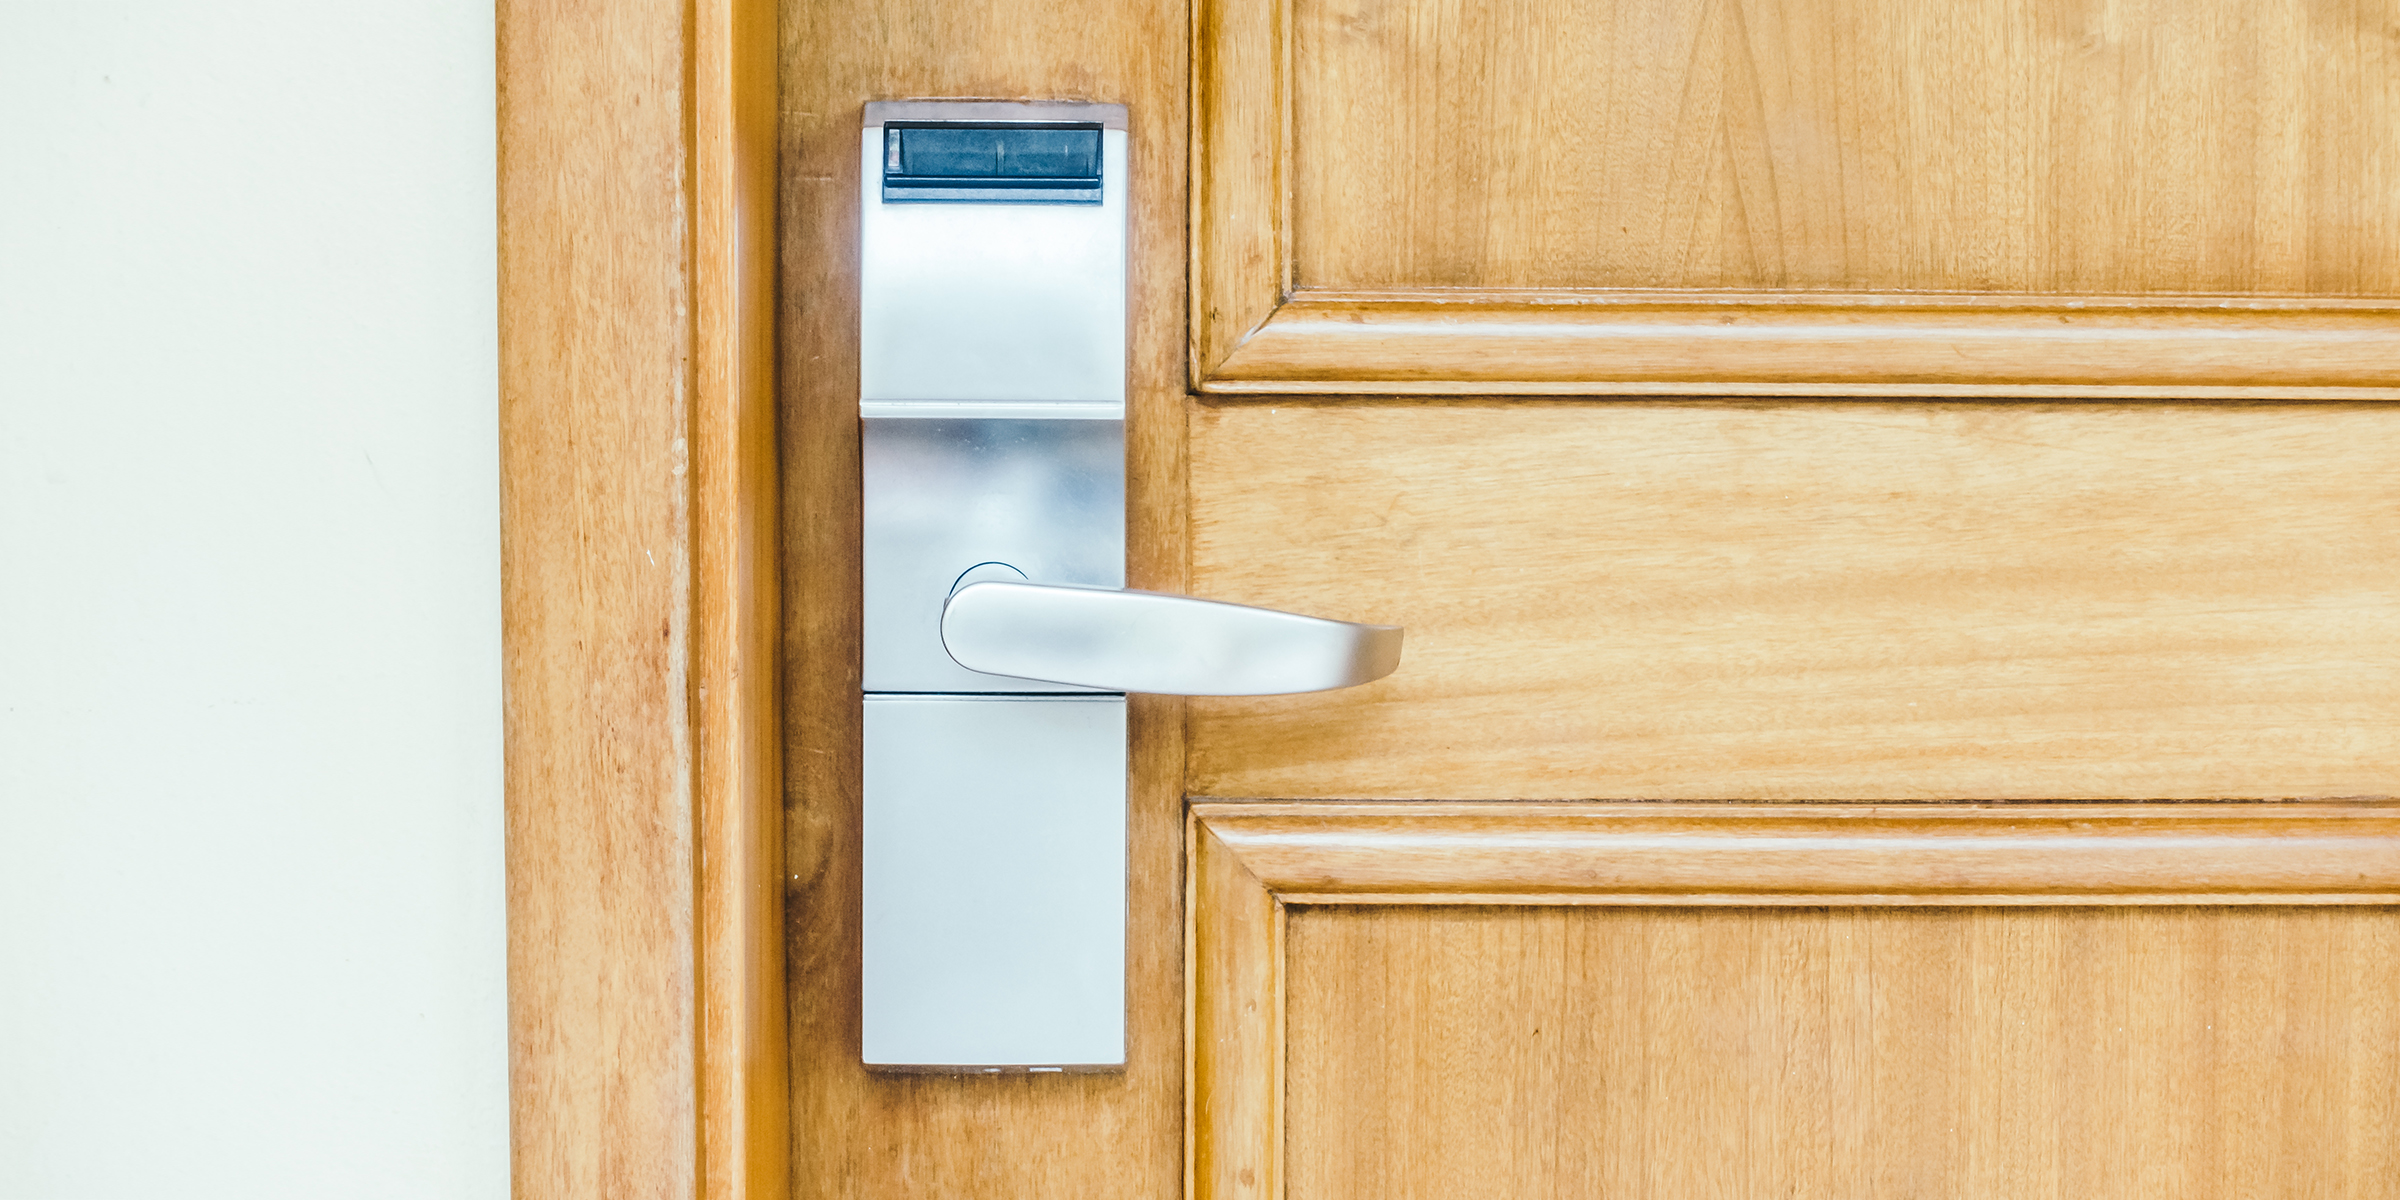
(251,925)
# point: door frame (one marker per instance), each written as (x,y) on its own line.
(640,598)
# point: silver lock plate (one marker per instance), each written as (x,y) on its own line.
(1046,497)
(992,396)
(993,932)
(997,302)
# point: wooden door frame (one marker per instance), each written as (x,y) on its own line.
(640,599)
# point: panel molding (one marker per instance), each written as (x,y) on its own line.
(1249,860)
(1787,345)
(1256,331)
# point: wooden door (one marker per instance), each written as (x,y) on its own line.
(1895,511)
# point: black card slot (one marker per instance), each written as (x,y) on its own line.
(992,162)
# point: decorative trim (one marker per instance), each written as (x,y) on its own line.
(1856,345)
(1248,860)
(1241,174)
(639,537)
(1255,331)
(737,549)
(1234,969)
(1814,854)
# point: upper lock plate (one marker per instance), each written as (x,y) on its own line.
(1002,296)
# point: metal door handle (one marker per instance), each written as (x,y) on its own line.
(1127,641)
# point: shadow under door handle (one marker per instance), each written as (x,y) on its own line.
(1126,641)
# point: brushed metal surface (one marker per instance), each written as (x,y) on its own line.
(1013,303)
(1149,642)
(1044,497)
(994,882)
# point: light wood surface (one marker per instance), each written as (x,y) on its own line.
(1686,854)
(1834,346)
(639,599)
(1241,252)
(1233,1120)
(596,559)
(1814,601)
(1383,188)
(1843,1054)
(737,729)
(2179,147)
(855,1133)
(1450,1047)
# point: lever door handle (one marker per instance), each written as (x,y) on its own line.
(1126,641)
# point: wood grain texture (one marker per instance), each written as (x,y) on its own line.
(639,552)
(1233,1125)
(1814,601)
(1849,1053)
(1447,1046)
(745,1093)
(1686,854)
(2178,147)
(596,576)
(1429,195)
(1241,218)
(1762,344)
(858,1134)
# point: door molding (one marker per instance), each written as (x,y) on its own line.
(639,560)
(1781,344)
(1249,860)
(1258,330)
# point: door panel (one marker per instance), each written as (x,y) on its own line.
(1978,197)
(1676,1000)
(2070,146)
(2075,1053)
(1864,601)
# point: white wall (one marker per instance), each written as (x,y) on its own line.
(251,937)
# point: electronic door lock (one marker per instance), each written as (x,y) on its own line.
(999,638)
